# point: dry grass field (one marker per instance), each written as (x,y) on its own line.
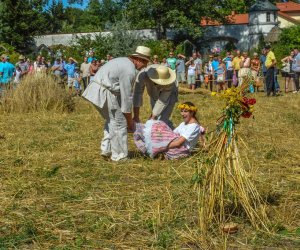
(56,192)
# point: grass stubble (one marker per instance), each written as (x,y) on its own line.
(56,192)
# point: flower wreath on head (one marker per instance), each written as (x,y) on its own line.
(187,107)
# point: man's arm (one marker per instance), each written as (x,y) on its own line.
(162,102)
(138,92)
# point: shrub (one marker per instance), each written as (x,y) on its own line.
(37,93)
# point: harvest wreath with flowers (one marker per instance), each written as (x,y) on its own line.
(223,183)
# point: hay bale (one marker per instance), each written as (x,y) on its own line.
(38,92)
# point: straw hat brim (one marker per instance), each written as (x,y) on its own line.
(151,73)
(140,56)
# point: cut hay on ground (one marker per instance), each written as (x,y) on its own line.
(58,193)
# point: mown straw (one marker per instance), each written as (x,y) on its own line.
(58,193)
(38,92)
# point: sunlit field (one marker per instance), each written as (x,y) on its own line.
(57,192)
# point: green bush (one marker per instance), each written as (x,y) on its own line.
(288,39)
(10,51)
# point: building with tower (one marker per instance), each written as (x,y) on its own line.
(244,31)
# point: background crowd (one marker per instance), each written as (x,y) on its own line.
(211,71)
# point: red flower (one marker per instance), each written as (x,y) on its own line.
(251,101)
(246,114)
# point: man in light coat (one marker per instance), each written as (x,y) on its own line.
(111,93)
(160,82)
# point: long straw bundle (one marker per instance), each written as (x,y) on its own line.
(227,187)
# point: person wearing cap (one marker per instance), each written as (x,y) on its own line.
(270,65)
(111,93)
(70,69)
(160,82)
(6,71)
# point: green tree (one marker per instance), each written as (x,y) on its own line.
(183,15)
(288,40)
(20,20)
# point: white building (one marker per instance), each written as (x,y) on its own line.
(244,31)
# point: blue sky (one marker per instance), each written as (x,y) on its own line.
(85,3)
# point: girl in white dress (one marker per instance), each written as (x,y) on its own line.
(157,137)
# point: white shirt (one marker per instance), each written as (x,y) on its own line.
(191,132)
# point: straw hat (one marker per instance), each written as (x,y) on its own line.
(21,57)
(3,56)
(160,74)
(142,52)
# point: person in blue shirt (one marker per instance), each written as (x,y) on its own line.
(229,68)
(180,69)
(91,57)
(215,65)
(6,71)
(70,69)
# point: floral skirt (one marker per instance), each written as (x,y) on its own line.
(151,139)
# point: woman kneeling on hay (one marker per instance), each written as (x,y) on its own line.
(156,137)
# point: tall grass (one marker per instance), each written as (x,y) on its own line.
(38,92)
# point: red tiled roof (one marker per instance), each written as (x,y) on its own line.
(232,19)
(288,7)
(287,17)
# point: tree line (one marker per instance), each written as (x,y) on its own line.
(21,20)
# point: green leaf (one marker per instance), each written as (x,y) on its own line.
(297,232)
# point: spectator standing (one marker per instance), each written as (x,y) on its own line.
(18,73)
(6,71)
(24,66)
(93,69)
(85,72)
(77,80)
(210,72)
(70,69)
(192,73)
(244,67)
(155,60)
(165,63)
(229,68)
(221,75)
(171,60)
(180,69)
(287,71)
(236,62)
(296,69)
(198,62)
(255,68)
(215,65)
(270,65)
(39,65)
(57,70)
(91,57)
